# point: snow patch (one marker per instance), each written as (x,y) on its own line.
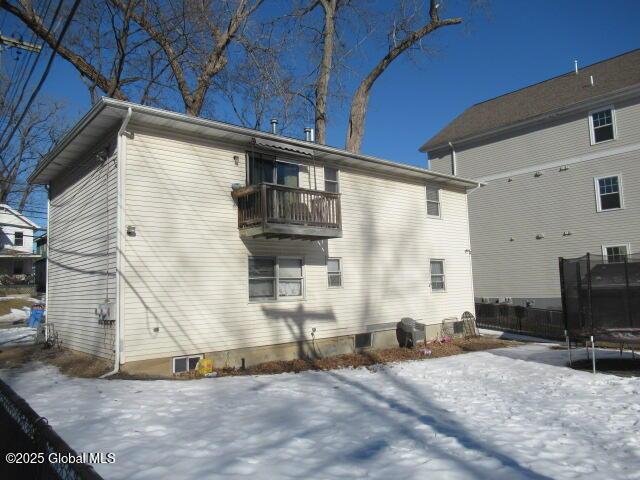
(17,336)
(500,414)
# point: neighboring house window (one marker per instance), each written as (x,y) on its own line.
(433,201)
(602,125)
(608,193)
(437,276)
(331,180)
(18,239)
(615,253)
(185,364)
(271,278)
(334,272)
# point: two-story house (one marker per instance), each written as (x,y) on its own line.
(173,237)
(16,243)
(560,161)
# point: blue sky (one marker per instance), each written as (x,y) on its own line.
(518,43)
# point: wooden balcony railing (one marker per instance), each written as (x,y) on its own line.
(281,211)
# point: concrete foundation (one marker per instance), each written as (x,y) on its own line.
(247,357)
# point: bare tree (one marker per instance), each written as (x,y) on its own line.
(195,37)
(107,77)
(401,38)
(41,127)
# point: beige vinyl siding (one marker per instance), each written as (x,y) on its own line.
(562,138)
(556,202)
(81,252)
(186,270)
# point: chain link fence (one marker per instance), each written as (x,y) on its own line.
(37,445)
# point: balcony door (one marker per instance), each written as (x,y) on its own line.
(263,168)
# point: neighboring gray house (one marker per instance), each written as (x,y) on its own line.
(561,164)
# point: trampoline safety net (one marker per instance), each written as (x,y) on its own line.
(601,297)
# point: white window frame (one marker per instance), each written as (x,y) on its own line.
(605,257)
(277,297)
(336,181)
(439,189)
(596,186)
(444,275)
(173,362)
(334,273)
(592,136)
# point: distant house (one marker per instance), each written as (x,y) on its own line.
(173,237)
(16,243)
(561,164)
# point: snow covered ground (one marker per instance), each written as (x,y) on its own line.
(17,336)
(502,414)
(16,314)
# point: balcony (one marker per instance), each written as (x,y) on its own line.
(278,211)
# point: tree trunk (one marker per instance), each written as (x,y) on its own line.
(324,73)
(360,101)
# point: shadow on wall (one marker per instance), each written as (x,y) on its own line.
(300,322)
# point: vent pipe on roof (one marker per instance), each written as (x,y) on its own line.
(309,134)
(575,66)
(274,126)
(591,80)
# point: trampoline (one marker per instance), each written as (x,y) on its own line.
(601,299)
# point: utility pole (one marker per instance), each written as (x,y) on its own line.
(8,42)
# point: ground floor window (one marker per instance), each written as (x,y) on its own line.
(437,275)
(18,267)
(274,278)
(185,364)
(615,253)
(334,272)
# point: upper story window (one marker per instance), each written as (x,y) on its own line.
(264,168)
(615,253)
(331,180)
(602,125)
(18,239)
(433,201)
(608,193)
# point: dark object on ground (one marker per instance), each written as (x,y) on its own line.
(409,332)
(622,367)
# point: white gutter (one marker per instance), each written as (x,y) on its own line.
(121,156)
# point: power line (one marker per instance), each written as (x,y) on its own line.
(28,79)
(47,69)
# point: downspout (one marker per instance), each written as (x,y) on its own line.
(454,164)
(121,154)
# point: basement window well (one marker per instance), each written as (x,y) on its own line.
(185,364)
(363,340)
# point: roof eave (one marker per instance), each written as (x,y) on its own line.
(608,97)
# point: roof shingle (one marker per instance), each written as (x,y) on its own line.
(560,92)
